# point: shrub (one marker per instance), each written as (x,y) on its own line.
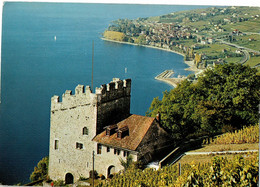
(41,170)
(59,183)
(91,174)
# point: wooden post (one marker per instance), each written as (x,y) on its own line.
(93,170)
(179,168)
(92,66)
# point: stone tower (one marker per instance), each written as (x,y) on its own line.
(77,119)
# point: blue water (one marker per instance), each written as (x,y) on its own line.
(35,67)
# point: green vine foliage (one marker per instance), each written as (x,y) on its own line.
(245,135)
(240,171)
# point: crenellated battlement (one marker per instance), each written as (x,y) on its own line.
(115,89)
(83,96)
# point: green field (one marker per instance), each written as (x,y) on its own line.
(233,59)
(215,49)
(246,26)
(202,159)
(198,24)
(245,41)
(253,61)
(113,35)
(186,42)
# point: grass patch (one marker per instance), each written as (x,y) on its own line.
(246,26)
(233,59)
(198,24)
(215,49)
(114,35)
(245,41)
(186,42)
(227,147)
(253,61)
(90,181)
(203,159)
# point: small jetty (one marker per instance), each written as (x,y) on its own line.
(165,74)
(166,77)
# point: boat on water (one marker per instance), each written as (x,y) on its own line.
(55,38)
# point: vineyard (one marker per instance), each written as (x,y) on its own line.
(246,135)
(240,171)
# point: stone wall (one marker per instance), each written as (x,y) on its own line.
(68,118)
(113,103)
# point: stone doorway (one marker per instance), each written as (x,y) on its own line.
(110,171)
(69,178)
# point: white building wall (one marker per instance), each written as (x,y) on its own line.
(106,159)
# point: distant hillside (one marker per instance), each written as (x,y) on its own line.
(218,34)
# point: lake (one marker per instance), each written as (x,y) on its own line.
(35,67)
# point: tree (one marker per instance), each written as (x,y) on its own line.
(225,95)
(175,108)
(197,59)
(41,170)
(236,88)
(191,53)
(141,40)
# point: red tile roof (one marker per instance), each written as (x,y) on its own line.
(138,127)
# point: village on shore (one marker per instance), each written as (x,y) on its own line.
(205,37)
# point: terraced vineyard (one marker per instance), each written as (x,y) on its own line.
(227,170)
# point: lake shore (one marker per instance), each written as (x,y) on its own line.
(168,50)
(171,81)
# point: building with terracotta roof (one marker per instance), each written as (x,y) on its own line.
(99,123)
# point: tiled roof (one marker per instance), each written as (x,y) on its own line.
(137,125)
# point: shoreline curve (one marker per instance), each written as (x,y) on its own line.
(171,81)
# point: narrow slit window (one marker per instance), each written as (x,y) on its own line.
(56,144)
(85,131)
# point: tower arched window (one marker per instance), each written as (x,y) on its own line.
(85,131)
